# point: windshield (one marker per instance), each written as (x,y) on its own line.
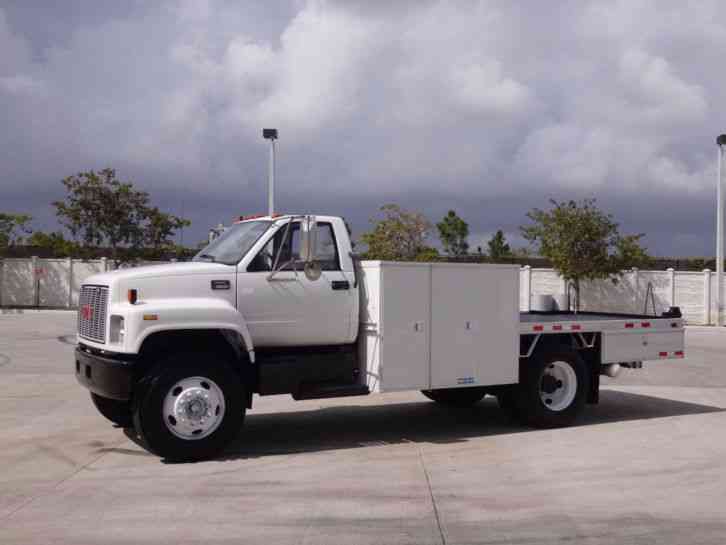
(233,243)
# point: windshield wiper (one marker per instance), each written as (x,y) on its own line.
(207,256)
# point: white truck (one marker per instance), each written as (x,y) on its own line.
(280,305)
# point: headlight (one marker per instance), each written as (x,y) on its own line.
(117,329)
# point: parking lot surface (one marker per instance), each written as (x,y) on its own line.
(646,465)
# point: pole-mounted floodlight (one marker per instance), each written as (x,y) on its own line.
(271,135)
(720,142)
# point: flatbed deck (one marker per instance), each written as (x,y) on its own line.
(579,316)
(567,322)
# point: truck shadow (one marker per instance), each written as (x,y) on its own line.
(347,427)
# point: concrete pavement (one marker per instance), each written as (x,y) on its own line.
(647,465)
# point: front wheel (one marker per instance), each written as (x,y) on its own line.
(191,408)
(554,390)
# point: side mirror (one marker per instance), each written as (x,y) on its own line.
(308,247)
(308,239)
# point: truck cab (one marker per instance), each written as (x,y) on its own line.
(249,303)
(280,303)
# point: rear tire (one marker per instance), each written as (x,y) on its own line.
(456,397)
(118,412)
(554,389)
(190,407)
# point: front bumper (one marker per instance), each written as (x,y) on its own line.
(103,375)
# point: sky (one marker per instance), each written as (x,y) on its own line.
(488,108)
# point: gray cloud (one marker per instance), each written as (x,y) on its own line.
(485,107)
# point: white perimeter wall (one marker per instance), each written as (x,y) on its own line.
(54,283)
(46,283)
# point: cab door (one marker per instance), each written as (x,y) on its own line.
(288,309)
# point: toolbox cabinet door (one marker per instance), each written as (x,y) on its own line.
(475,325)
(405,327)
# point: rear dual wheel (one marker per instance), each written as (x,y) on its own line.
(552,392)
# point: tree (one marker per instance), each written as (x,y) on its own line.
(522,252)
(160,230)
(498,247)
(99,210)
(56,243)
(12,227)
(583,242)
(453,232)
(427,254)
(399,236)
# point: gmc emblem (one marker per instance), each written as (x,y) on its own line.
(86,312)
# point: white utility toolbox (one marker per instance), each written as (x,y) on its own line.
(439,325)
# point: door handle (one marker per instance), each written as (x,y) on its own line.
(341,285)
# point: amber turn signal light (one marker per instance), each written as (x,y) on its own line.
(133,296)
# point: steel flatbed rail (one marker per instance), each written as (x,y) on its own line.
(534,322)
(623,336)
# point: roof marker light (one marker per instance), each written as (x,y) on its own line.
(257,216)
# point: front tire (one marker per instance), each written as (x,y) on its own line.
(190,407)
(456,397)
(554,389)
(118,412)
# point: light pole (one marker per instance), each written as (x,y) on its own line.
(720,142)
(271,135)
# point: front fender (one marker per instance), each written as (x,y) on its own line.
(149,317)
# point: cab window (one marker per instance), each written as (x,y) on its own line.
(327,250)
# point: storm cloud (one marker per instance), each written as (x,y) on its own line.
(489,108)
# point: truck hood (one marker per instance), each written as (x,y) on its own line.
(156,271)
(171,280)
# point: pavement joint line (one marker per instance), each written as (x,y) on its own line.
(31,499)
(431,494)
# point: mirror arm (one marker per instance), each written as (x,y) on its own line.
(279,251)
(311,243)
(271,276)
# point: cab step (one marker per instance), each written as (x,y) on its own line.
(325,390)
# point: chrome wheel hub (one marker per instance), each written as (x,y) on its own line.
(193,408)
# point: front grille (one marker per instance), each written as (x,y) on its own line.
(92,303)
